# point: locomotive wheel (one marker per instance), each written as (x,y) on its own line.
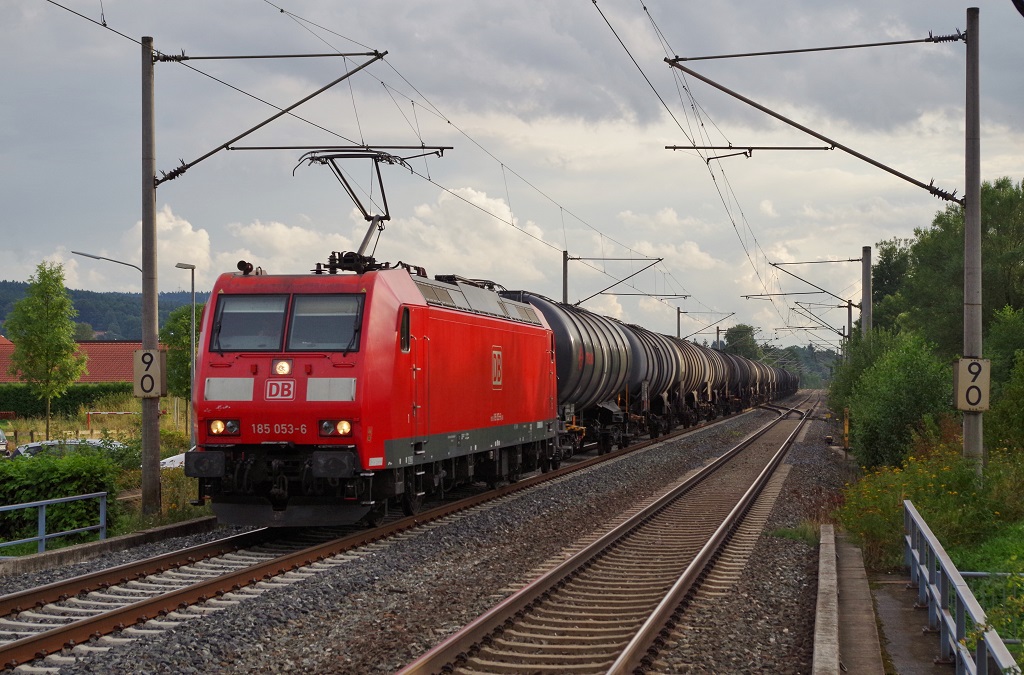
(376,515)
(411,502)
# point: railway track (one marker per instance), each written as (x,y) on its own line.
(605,608)
(53,625)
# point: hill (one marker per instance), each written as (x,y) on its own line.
(114,316)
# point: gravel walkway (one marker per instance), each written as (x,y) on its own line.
(375,613)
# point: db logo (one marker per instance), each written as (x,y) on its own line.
(496,367)
(280,390)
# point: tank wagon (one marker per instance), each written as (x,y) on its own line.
(332,397)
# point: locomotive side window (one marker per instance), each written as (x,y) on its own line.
(326,323)
(248,322)
(405,335)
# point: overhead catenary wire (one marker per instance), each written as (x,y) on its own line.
(604,238)
(504,167)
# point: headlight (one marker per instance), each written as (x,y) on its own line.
(223,427)
(335,428)
(282,367)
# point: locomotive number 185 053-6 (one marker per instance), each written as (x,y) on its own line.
(278,428)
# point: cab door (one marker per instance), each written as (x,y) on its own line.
(414,346)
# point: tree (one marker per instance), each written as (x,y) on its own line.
(932,292)
(1005,338)
(42,328)
(1004,423)
(176,335)
(888,275)
(739,339)
(84,331)
(861,354)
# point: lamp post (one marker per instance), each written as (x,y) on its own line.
(191,354)
(151,500)
(99,257)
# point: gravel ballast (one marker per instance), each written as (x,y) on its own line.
(377,612)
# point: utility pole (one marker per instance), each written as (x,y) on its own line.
(151,500)
(865,293)
(565,277)
(974,448)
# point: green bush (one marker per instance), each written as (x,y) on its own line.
(905,385)
(51,476)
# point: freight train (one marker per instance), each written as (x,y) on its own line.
(331,397)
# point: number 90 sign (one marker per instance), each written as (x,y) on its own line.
(971,383)
(149,372)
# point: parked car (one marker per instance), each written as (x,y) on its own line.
(3,443)
(31,449)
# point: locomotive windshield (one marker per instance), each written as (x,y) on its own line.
(325,323)
(249,322)
(257,323)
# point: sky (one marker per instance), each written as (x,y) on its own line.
(557,116)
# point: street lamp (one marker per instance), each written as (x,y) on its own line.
(151,501)
(192,354)
(99,257)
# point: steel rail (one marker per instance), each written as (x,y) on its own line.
(59,590)
(439,658)
(638,652)
(38,646)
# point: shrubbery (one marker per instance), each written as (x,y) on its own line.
(903,386)
(51,476)
(944,488)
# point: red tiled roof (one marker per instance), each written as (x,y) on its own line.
(108,361)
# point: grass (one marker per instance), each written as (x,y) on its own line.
(806,531)
(173,418)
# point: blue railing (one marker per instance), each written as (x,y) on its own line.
(953,611)
(42,537)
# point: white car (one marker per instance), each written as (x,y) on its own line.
(173,462)
(3,443)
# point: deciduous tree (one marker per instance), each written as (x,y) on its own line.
(42,328)
(739,339)
(176,334)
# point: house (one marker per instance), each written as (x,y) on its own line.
(108,360)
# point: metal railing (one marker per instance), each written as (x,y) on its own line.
(953,611)
(43,537)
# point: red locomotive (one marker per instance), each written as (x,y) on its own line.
(323,398)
